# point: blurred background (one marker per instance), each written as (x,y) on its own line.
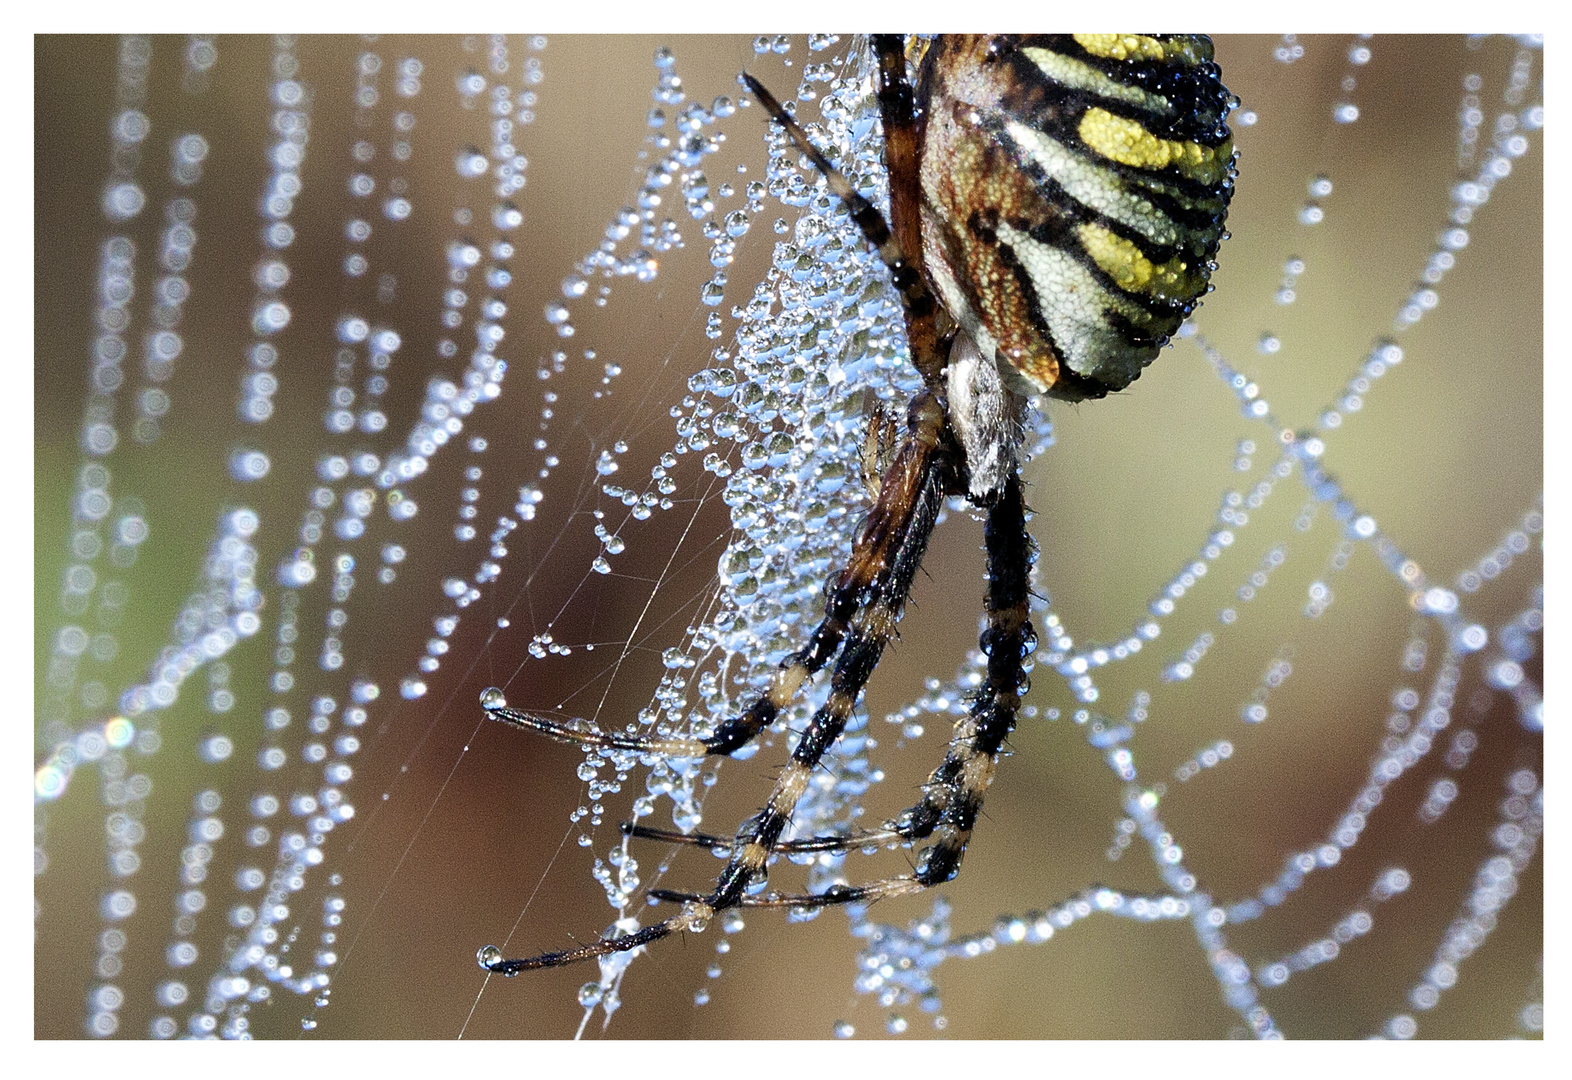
(460,833)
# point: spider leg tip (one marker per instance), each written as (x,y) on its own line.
(489,957)
(767,99)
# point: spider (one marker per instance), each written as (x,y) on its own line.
(1055,206)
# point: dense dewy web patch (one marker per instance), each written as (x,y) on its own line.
(266,787)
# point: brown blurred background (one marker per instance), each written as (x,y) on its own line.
(461,826)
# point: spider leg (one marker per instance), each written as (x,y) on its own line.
(900,249)
(953,795)
(897,112)
(865,600)
(731,736)
(694,916)
(895,537)
(846,842)
(833,896)
(742,729)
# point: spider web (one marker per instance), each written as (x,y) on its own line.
(333,474)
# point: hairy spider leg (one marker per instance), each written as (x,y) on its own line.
(845,842)
(874,587)
(736,732)
(900,249)
(926,339)
(953,795)
(730,737)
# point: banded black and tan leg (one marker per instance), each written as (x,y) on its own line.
(866,600)
(953,796)
(921,489)
(899,242)
(982,732)
(730,737)
(801,846)
(886,521)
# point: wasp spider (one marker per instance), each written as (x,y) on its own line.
(1055,206)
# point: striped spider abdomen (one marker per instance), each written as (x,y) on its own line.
(1074,192)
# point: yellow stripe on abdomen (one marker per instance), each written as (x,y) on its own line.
(1185,50)
(1134,272)
(1094,186)
(1120,139)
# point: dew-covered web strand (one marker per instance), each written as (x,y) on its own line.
(229,563)
(409,85)
(369,65)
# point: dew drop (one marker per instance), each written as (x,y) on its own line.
(471,163)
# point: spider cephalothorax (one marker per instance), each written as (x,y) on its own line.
(1055,204)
